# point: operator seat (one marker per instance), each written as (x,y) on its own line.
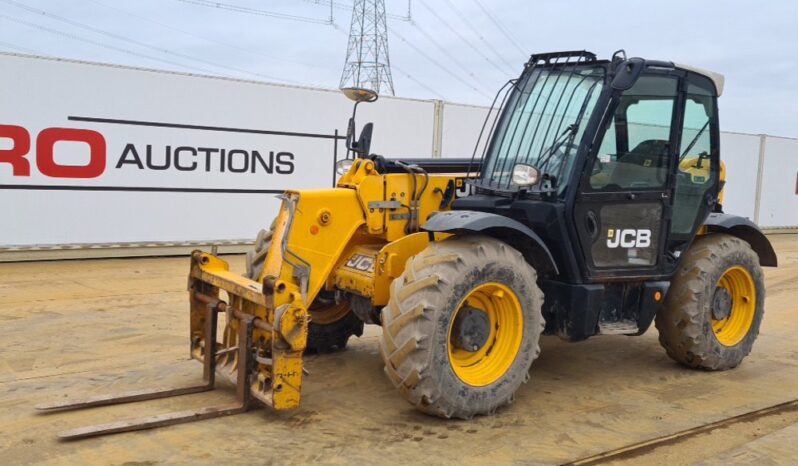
(645,166)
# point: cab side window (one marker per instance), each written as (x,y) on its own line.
(696,173)
(635,151)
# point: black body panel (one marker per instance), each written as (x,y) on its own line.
(430,165)
(571,311)
(745,230)
(648,303)
(548,221)
(502,227)
(576,312)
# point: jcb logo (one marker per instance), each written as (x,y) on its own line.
(361,262)
(462,189)
(628,238)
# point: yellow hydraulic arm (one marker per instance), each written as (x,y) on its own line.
(354,238)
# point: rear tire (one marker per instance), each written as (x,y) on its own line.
(423,352)
(715,304)
(334,322)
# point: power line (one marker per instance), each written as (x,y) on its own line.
(478,33)
(345,6)
(420,84)
(18,48)
(205,38)
(139,43)
(449,55)
(348,7)
(157,59)
(461,37)
(100,44)
(501,28)
(256,11)
(436,63)
(336,5)
(408,18)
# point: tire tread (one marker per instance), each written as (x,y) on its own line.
(406,325)
(682,322)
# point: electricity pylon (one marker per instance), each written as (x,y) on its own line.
(367,63)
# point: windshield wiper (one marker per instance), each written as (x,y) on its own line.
(695,140)
(566,136)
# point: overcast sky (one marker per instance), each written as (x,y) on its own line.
(450,50)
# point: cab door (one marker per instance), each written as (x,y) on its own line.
(624,203)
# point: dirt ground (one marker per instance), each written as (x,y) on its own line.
(91,327)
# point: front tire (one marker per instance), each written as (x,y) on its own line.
(331,324)
(715,304)
(462,327)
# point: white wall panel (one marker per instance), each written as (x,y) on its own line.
(461,126)
(779,201)
(740,153)
(72,217)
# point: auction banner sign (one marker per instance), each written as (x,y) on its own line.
(98,154)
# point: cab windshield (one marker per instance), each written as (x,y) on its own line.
(542,123)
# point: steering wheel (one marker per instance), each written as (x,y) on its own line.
(701,157)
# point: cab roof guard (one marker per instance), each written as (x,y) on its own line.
(551,58)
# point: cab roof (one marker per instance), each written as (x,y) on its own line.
(717,78)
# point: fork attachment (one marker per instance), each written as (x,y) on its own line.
(264,336)
(260,352)
(209,376)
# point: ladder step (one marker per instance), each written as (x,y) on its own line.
(622,327)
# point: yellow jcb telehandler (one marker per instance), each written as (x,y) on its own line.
(595,208)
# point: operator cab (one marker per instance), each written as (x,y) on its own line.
(614,163)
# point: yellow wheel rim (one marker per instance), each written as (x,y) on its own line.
(492,360)
(739,284)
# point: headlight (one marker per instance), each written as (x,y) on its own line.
(525,175)
(343,166)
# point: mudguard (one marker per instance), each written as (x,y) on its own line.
(513,232)
(747,231)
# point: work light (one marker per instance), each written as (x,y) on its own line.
(343,166)
(525,175)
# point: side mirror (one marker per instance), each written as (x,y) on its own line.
(350,133)
(363,145)
(627,72)
(359,94)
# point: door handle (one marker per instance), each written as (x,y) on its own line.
(591,224)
